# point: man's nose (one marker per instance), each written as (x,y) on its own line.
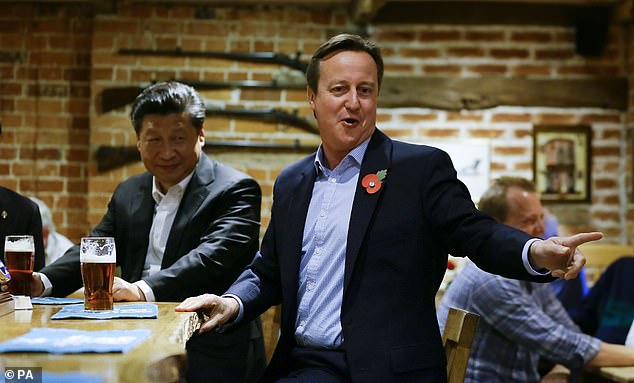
(167,149)
(352,101)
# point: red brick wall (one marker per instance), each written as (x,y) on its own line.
(71,52)
(45,59)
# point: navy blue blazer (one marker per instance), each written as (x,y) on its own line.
(396,256)
(21,216)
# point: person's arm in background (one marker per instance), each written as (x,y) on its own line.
(522,319)
(612,355)
(64,275)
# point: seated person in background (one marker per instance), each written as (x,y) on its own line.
(520,321)
(571,291)
(55,244)
(187,226)
(20,216)
(608,309)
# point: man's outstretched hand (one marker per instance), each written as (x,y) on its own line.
(220,310)
(560,254)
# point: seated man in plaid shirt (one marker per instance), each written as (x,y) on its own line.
(520,321)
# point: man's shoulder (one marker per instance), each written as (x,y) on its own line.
(297,168)
(404,149)
(16,200)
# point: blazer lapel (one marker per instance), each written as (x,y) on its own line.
(140,215)
(377,157)
(192,199)
(301,193)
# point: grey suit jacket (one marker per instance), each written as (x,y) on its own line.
(213,237)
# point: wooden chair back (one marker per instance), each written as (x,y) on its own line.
(600,255)
(457,337)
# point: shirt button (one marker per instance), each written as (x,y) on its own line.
(317,250)
(322,214)
(332,180)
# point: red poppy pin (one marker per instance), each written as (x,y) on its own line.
(372,182)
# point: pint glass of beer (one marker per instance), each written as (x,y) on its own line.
(19,254)
(98,258)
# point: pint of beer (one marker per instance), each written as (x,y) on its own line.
(19,255)
(98,258)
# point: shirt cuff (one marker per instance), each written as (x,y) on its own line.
(48,286)
(526,261)
(147,290)
(225,326)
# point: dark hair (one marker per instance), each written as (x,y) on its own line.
(342,42)
(494,202)
(166,98)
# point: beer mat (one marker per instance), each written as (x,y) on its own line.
(70,377)
(56,301)
(68,341)
(132,311)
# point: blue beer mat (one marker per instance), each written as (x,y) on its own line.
(67,341)
(132,311)
(70,377)
(56,301)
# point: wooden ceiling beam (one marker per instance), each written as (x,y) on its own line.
(453,93)
(363,11)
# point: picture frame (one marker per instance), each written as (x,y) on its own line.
(562,163)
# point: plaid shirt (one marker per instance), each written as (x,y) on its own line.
(519,323)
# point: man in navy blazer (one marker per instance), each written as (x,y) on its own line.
(20,216)
(188,225)
(358,241)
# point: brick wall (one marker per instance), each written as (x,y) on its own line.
(55,60)
(44,100)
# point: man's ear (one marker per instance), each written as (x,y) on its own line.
(138,144)
(201,136)
(311,97)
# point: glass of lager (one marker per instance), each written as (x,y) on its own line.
(98,257)
(19,254)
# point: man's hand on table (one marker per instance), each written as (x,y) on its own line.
(220,310)
(126,291)
(560,254)
(37,286)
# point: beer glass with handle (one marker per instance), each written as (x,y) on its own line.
(98,258)
(19,254)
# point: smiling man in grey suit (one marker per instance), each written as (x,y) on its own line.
(187,226)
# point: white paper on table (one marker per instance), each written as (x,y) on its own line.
(629,341)
(22,302)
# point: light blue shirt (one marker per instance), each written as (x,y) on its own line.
(322,264)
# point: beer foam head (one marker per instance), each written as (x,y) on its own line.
(97,250)
(22,243)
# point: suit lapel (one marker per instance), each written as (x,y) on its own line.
(192,199)
(141,214)
(301,193)
(377,157)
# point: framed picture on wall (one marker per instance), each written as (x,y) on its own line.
(562,163)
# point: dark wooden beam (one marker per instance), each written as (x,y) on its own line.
(486,12)
(452,93)
(365,10)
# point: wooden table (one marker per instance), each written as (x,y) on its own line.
(618,374)
(608,374)
(160,358)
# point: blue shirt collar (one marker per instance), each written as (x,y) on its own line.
(355,154)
